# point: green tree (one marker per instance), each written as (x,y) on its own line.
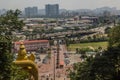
(82,71)
(9,22)
(8,71)
(114,38)
(114,50)
(77,50)
(5,62)
(18,73)
(107,66)
(103,67)
(67,41)
(107,30)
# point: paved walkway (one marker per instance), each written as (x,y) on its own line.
(46,71)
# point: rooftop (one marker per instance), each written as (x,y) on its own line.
(32,41)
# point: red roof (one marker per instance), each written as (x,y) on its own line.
(61,62)
(32,41)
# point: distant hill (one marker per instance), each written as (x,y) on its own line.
(98,11)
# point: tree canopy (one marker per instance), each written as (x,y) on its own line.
(10,22)
(105,66)
(114,36)
(8,71)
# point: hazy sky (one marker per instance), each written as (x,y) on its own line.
(67,4)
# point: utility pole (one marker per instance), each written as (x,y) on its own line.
(57,62)
(54,62)
(54,67)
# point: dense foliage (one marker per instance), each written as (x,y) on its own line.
(105,66)
(8,23)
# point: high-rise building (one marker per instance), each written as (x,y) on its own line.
(52,10)
(27,12)
(31,11)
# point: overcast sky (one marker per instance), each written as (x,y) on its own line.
(67,4)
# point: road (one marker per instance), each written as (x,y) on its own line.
(68,33)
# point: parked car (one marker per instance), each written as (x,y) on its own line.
(67,61)
(45,60)
(66,55)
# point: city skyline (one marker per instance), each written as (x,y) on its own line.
(64,4)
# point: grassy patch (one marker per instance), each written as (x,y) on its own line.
(95,45)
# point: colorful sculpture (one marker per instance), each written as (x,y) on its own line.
(27,62)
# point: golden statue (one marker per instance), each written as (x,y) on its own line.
(22,54)
(27,62)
